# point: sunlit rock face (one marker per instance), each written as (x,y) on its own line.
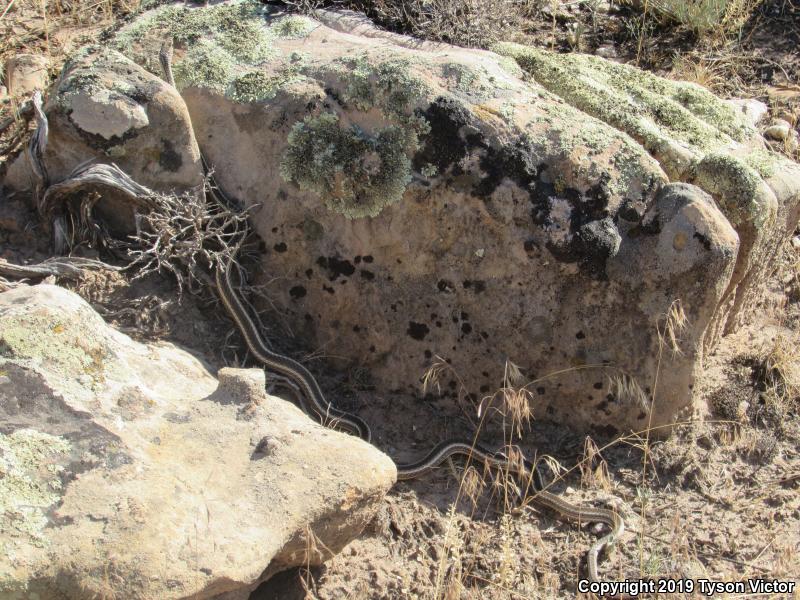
(595,225)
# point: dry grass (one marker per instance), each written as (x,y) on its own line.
(471,23)
(55,27)
(718,18)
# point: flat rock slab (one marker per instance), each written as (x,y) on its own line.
(129,471)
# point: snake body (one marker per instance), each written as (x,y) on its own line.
(313,402)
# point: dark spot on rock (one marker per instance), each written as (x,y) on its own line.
(356,328)
(169,159)
(330,290)
(279,247)
(484,335)
(368,275)
(336,266)
(540,391)
(641,416)
(607,430)
(309,273)
(438,323)
(357,260)
(466,328)
(580,335)
(368,259)
(651,227)
(529,245)
(418,331)
(444,285)
(484,388)
(590,246)
(297,292)
(282,195)
(610,397)
(631,211)
(703,240)
(428,354)
(598,385)
(516,162)
(485,373)
(443,145)
(372,348)
(549,410)
(477,286)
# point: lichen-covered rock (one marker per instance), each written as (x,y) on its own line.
(423,200)
(696,137)
(127,472)
(106,108)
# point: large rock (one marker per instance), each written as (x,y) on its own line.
(421,200)
(106,108)
(127,471)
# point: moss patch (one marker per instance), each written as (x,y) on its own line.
(205,66)
(217,41)
(257,86)
(387,85)
(764,162)
(356,174)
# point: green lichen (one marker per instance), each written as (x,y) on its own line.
(655,111)
(293,27)
(29,484)
(257,86)
(736,187)
(510,66)
(217,40)
(356,174)
(467,80)
(429,170)
(205,66)
(507,111)
(388,85)
(44,338)
(764,162)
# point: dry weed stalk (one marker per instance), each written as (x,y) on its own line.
(675,323)
(781,368)
(591,475)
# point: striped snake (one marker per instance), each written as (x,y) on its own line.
(313,402)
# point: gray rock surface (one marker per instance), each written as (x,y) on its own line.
(127,471)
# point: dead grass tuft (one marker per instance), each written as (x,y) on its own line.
(471,23)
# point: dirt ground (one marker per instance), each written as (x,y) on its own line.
(718,500)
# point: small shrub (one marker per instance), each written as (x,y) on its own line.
(705,16)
